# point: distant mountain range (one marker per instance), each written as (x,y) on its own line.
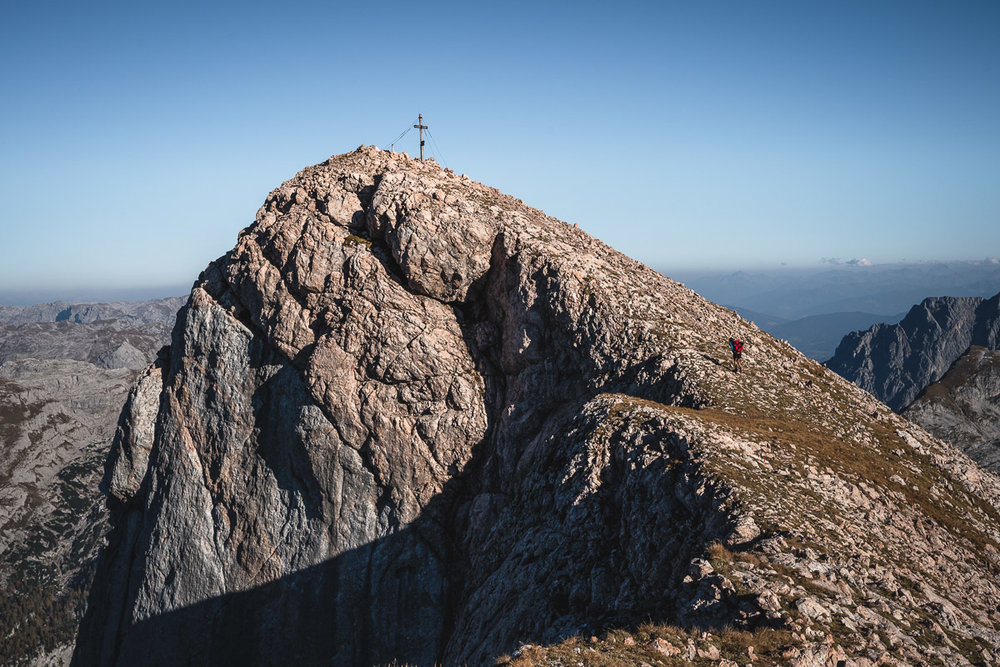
(65,371)
(813,309)
(71,294)
(158,311)
(792,294)
(816,336)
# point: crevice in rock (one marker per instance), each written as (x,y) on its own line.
(380,244)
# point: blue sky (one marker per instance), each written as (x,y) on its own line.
(137,139)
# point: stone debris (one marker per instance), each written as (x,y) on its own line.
(664,647)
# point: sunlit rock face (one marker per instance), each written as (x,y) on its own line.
(408,418)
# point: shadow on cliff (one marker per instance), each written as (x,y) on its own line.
(330,613)
(474,576)
(565,521)
(277,407)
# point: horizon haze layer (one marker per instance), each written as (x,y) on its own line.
(782,292)
(138,143)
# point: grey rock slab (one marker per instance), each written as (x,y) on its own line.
(895,362)
(963,407)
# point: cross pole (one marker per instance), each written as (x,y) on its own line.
(421,127)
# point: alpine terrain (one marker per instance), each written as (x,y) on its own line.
(410,419)
(963,407)
(896,361)
(65,371)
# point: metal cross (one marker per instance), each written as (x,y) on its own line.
(420,126)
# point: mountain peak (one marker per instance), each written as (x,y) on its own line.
(408,418)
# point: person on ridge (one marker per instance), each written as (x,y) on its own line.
(737,347)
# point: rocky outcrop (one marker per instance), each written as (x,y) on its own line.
(408,418)
(963,407)
(895,362)
(61,389)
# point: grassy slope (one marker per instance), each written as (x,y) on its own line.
(813,453)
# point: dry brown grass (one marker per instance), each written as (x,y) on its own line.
(620,648)
(874,465)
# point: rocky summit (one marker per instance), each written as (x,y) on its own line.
(410,419)
(963,407)
(896,361)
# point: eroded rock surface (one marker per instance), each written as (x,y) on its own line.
(408,418)
(963,407)
(896,361)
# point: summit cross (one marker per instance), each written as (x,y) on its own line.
(421,127)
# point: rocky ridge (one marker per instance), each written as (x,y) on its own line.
(894,362)
(963,407)
(107,335)
(408,418)
(156,311)
(62,385)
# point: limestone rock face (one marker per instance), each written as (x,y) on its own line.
(408,418)
(896,361)
(963,407)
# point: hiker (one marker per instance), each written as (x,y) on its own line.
(737,347)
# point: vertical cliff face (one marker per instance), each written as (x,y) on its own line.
(410,418)
(963,407)
(896,361)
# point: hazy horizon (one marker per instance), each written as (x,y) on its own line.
(736,286)
(10,297)
(138,143)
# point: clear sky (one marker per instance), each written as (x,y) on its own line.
(137,139)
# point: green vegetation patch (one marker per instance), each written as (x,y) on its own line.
(353,241)
(36,617)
